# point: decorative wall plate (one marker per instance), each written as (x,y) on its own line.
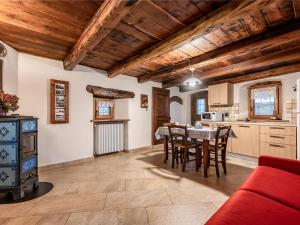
(3,51)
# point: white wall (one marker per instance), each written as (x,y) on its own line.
(176,109)
(241,93)
(10,70)
(183,113)
(66,142)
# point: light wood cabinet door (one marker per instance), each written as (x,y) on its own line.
(278,150)
(247,141)
(220,94)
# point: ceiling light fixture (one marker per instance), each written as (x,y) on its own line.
(192,81)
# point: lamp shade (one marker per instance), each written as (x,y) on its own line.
(192,81)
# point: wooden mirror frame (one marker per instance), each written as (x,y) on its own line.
(278,100)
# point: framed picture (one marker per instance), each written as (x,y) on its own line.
(103,109)
(144,101)
(59,101)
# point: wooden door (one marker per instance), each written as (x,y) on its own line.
(199,104)
(160,110)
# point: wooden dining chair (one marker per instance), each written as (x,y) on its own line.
(168,145)
(181,146)
(217,150)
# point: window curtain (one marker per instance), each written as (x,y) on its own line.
(104,104)
(264,94)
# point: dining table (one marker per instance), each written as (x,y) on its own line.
(205,134)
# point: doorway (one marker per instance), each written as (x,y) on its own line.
(160,110)
(199,104)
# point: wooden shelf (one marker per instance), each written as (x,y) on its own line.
(110,121)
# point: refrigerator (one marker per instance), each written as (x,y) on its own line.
(298,119)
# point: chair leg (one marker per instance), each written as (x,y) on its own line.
(200,158)
(173,157)
(224,161)
(217,163)
(177,153)
(181,156)
(197,158)
(185,157)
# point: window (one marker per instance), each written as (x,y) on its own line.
(103,109)
(201,106)
(265,100)
(198,105)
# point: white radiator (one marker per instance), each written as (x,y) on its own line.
(108,138)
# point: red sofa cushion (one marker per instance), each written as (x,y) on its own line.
(248,208)
(276,184)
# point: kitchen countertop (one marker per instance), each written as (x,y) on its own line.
(261,123)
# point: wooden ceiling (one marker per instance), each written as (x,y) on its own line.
(158,39)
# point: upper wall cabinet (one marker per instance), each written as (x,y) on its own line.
(220,94)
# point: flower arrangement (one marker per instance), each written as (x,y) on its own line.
(8,102)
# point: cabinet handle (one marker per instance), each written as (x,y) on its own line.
(274,136)
(277,146)
(277,128)
(244,126)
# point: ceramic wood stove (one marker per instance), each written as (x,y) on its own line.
(18,155)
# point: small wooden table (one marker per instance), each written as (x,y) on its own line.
(205,134)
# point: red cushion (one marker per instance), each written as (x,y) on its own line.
(276,184)
(248,208)
(289,165)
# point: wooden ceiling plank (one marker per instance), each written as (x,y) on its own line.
(175,8)
(66,11)
(278,13)
(110,13)
(26,18)
(255,43)
(277,71)
(203,44)
(277,59)
(229,12)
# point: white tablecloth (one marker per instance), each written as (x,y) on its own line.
(203,133)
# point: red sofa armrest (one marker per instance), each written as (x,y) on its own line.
(289,165)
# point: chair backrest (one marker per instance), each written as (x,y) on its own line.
(178,133)
(222,137)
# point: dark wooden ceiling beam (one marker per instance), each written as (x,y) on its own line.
(276,59)
(229,12)
(271,38)
(277,71)
(272,72)
(110,13)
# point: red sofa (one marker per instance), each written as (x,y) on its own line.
(270,196)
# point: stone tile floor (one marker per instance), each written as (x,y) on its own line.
(129,189)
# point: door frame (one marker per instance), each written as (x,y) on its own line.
(153,129)
(193,106)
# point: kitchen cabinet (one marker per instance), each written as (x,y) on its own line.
(279,141)
(247,141)
(220,94)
